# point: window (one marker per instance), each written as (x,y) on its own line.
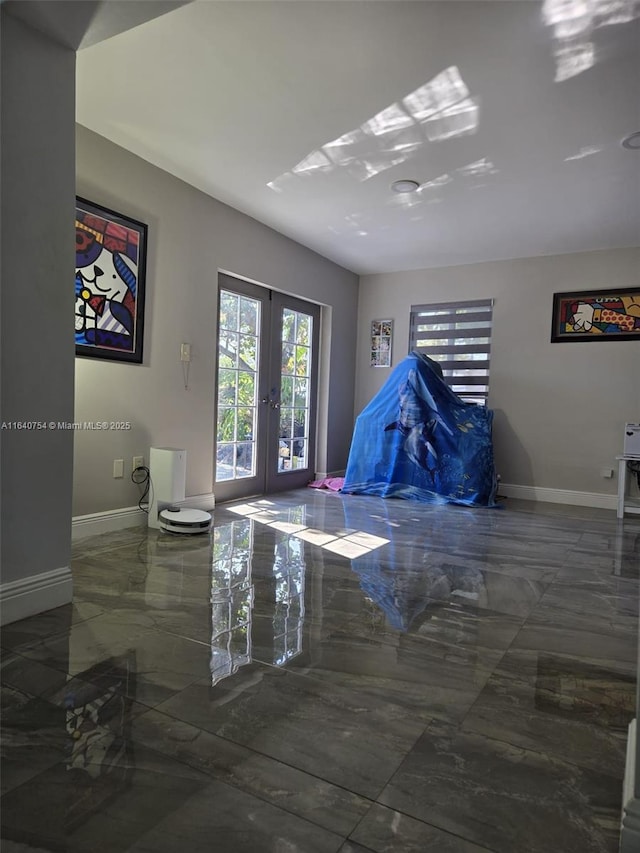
(458,336)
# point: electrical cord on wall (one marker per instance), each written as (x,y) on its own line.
(142,477)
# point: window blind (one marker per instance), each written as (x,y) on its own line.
(458,336)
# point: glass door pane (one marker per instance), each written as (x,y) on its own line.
(238,348)
(294,368)
(295,390)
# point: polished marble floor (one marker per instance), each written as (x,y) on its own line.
(330,674)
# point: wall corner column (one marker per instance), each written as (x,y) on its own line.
(36,316)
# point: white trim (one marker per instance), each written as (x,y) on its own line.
(630,834)
(559,496)
(131,516)
(206,502)
(630,823)
(629,782)
(35,594)
(202,502)
(106,522)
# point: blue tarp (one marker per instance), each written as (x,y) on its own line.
(418,440)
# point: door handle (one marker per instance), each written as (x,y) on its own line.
(273,403)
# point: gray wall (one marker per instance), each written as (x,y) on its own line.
(191,237)
(560,408)
(38,108)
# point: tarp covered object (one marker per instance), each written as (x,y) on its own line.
(418,440)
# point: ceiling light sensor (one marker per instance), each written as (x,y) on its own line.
(405,186)
(632,142)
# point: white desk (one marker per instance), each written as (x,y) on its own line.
(625,503)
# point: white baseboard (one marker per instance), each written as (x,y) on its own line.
(630,833)
(106,522)
(206,502)
(131,516)
(35,594)
(537,493)
(559,496)
(630,825)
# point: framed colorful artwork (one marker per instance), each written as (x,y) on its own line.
(596,315)
(381,340)
(110,283)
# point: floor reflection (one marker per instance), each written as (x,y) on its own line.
(84,730)
(98,706)
(231,598)
(288,620)
(404,579)
(327,673)
(579,690)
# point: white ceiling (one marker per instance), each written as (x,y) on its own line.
(242,100)
(80,23)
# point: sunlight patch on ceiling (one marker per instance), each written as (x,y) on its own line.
(405,201)
(430,191)
(390,119)
(573,23)
(340,151)
(315,162)
(443,106)
(436,183)
(438,110)
(573,56)
(582,153)
(478,167)
(459,120)
(445,90)
(354,225)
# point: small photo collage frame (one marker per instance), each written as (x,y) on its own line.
(381,343)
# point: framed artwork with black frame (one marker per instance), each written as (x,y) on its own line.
(596,315)
(110,283)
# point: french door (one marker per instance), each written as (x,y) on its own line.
(266,390)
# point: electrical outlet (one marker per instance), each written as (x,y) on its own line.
(118,468)
(607,473)
(185,352)
(138,462)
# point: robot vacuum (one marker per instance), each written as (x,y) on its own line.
(183,520)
